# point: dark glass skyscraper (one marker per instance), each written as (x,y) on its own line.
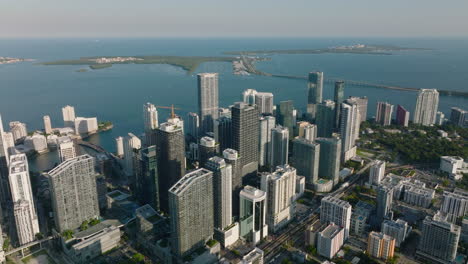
(245,129)
(285,116)
(330,154)
(306,155)
(147,177)
(223,132)
(314,93)
(325,118)
(339,98)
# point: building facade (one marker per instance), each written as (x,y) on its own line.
(207,101)
(402,116)
(427,104)
(306,158)
(334,210)
(384,113)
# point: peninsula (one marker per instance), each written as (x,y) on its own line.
(10,60)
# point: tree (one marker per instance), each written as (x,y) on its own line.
(311,250)
(84,225)
(6,244)
(138,258)
(67,234)
(39,236)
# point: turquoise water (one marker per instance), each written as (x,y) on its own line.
(29,91)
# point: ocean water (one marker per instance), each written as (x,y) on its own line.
(29,91)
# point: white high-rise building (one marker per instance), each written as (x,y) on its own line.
(334,210)
(47,125)
(4,161)
(36,142)
(398,229)
(85,125)
(130,142)
(66,148)
(455,204)
(427,104)
(119,145)
(68,113)
(279,146)
(207,101)
(377,172)
(384,113)
(330,240)
(253,226)
(8,140)
(248,96)
(309,132)
(350,122)
(19,130)
(264,101)
(267,123)
(280,187)
(150,120)
(27,224)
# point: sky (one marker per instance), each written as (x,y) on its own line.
(233,18)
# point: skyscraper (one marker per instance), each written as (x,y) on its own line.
(398,229)
(325,118)
(314,93)
(191,212)
(455,205)
(73,192)
(384,113)
(439,239)
(402,116)
(459,117)
(19,130)
(248,96)
(306,130)
(27,224)
(206,149)
(170,151)
(207,101)
(66,148)
(119,146)
(245,136)
(68,113)
(380,245)
(253,226)
(350,123)
(223,132)
(279,147)
(361,103)
(222,191)
(267,123)
(329,162)
(264,102)
(384,203)
(130,143)
(306,159)
(285,116)
(280,188)
(150,120)
(377,172)
(334,210)
(440,118)
(427,104)
(193,126)
(4,161)
(47,125)
(232,158)
(330,240)
(338,98)
(147,177)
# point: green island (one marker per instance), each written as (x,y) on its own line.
(188,63)
(82,70)
(354,49)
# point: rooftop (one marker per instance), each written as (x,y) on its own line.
(188,179)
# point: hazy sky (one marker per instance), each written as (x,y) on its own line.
(231,18)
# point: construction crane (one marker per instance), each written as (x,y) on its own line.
(169,107)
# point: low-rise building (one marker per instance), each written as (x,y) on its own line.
(253,257)
(454,166)
(415,193)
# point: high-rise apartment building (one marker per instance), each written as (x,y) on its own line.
(350,123)
(147,177)
(207,148)
(455,205)
(279,147)
(170,152)
(330,240)
(68,113)
(280,188)
(66,148)
(440,118)
(4,161)
(398,229)
(384,113)
(377,172)
(267,123)
(306,130)
(329,161)
(402,116)
(73,192)
(285,116)
(207,101)
(439,240)
(361,103)
(427,104)
(314,92)
(193,126)
(253,226)
(191,212)
(384,202)
(131,144)
(459,117)
(222,191)
(18,130)
(334,210)
(245,135)
(232,158)
(248,96)
(338,98)
(380,245)
(325,118)
(24,209)
(150,121)
(47,124)
(119,146)
(306,156)
(86,125)
(264,102)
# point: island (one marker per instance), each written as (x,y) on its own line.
(353,49)
(188,63)
(10,60)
